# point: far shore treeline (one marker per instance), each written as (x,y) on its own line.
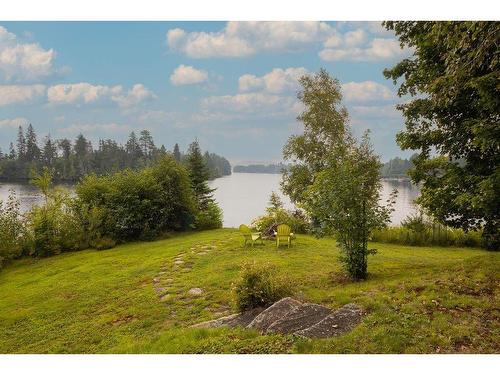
(394,168)
(71,160)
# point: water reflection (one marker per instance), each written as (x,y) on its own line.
(243,196)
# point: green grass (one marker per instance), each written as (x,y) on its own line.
(418,299)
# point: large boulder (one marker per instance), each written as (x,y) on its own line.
(302,317)
(274,313)
(234,320)
(337,323)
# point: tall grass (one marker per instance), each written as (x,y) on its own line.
(420,230)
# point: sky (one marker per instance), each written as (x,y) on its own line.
(231,85)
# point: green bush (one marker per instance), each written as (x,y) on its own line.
(56,226)
(15,239)
(103,243)
(276,215)
(260,285)
(143,204)
(210,218)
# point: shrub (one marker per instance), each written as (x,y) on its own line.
(55,225)
(141,204)
(259,285)
(14,236)
(210,218)
(103,243)
(276,215)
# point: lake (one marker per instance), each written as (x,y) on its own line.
(244,196)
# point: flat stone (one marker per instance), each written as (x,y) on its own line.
(203,253)
(337,323)
(161,273)
(156,280)
(234,320)
(195,292)
(274,313)
(302,317)
(165,297)
(160,290)
(179,262)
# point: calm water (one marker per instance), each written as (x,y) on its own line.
(243,196)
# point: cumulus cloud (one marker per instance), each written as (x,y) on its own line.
(358,47)
(187,75)
(13,122)
(83,92)
(136,95)
(23,61)
(277,81)
(366,91)
(258,103)
(240,39)
(14,94)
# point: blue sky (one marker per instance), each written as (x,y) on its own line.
(232,85)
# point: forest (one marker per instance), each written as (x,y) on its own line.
(70,160)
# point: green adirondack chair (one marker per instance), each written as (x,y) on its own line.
(283,234)
(249,236)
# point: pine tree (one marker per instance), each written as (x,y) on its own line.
(199,175)
(177,153)
(49,152)
(32,150)
(65,146)
(146,143)
(21,144)
(133,149)
(12,151)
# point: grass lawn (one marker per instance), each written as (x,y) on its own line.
(418,299)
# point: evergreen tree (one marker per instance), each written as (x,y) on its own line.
(199,175)
(32,149)
(146,143)
(12,151)
(83,150)
(65,146)
(49,152)
(21,144)
(133,149)
(177,153)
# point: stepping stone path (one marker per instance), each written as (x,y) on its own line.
(195,292)
(289,316)
(183,262)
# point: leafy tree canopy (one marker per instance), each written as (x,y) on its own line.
(453,119)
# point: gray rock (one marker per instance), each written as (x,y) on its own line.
(302,317)
(274,313)
(234,320)
(195,292)
(337,323)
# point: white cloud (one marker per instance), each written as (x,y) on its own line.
(352,47)
(13,122)
(258,103)
(107,128)
(20,61)
(374,111)
(136,95)
(366,91)
(187,75)
(13,94)
(277,81)
(83,92)
(240,39)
